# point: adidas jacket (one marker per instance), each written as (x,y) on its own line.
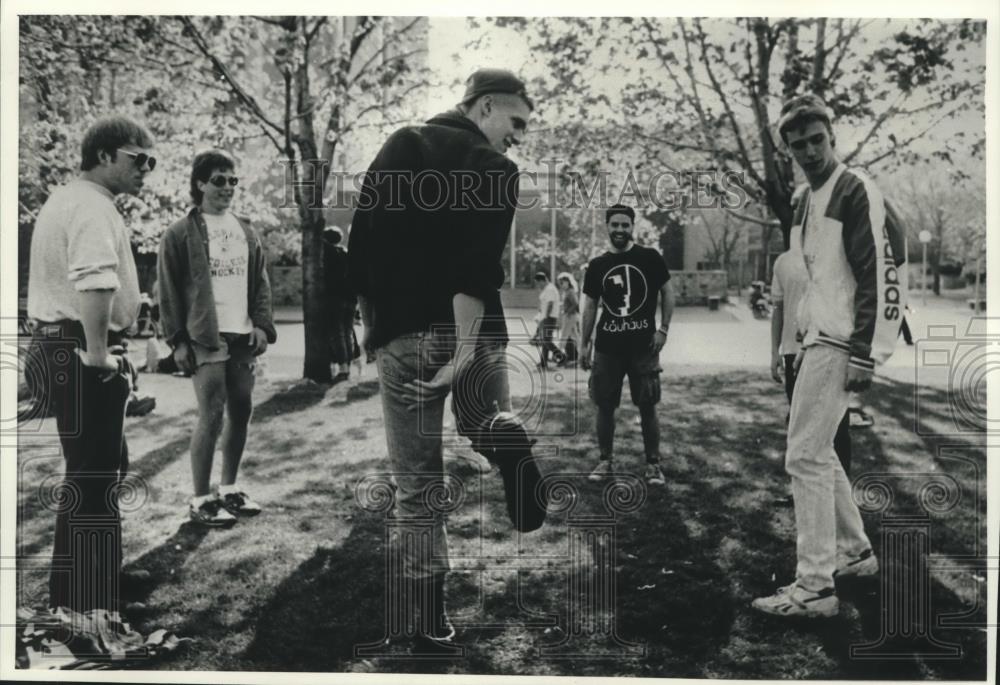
(856,292)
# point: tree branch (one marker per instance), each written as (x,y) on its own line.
(891,111)
(819,58)
(311,33)
(363,30)
(240,93)
(751,218)
(843,43)
(287,23)
(381,106)
(385,46)
(734,124)
(899,146)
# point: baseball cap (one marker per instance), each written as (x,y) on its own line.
(484,81)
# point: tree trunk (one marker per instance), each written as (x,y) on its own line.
(765,233)
(777,171)
(316,365)
(819,59)
(934,261)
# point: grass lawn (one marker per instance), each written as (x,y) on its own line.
(297,588)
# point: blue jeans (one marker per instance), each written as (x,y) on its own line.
(414,441)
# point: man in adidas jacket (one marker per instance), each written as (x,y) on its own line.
(849,318)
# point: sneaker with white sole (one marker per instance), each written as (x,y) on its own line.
(604,469)
(793,601)
(211,513)
(654,475)
(864,565)
(239,504)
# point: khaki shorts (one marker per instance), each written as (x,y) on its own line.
(609,371)
(235,347)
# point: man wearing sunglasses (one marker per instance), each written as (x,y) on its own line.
(215,308)
(83,293)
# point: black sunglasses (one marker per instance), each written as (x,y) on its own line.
(141,159)
(220,181)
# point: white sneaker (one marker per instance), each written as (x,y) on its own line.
(862,566)
(604,469)
(212,513)
(793,601)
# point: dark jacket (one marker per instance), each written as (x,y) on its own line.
(337,290)
(187,305)
(433,218)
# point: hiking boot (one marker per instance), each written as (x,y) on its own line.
(864,565)
(239,504)
(211,513)
(654,474)
(793,601)
(604,469)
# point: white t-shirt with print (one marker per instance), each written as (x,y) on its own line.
(229,257)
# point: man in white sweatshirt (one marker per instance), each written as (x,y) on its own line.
(848,320)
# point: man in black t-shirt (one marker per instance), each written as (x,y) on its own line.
(626,281)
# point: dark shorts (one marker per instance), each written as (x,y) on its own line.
(609,370)
(233,347)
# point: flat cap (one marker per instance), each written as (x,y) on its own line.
(802,106)
(485,81)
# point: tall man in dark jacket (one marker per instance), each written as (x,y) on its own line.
(425,257)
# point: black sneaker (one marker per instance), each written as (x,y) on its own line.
(140,406)
(438,643)
(211,513)
(240,504)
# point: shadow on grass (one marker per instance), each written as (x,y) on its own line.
(169,557)
(897,624)
(330,603)
(163,561)
(685,564)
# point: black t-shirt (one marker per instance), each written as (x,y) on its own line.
(627,285)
